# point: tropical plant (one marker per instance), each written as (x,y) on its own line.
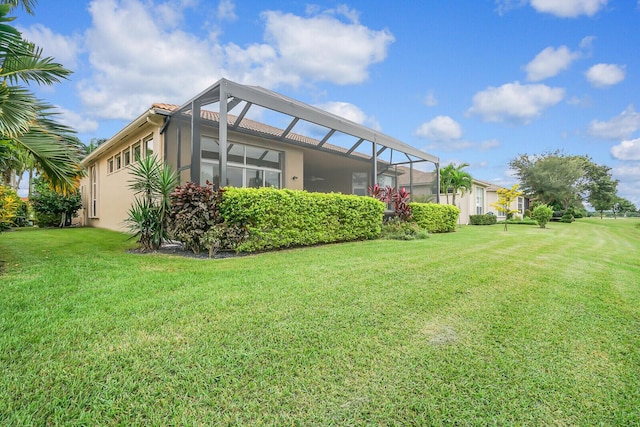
(195,217)
(152,181)
(454,179)
(27,122)
(51,207)
(542,214)
(399,199)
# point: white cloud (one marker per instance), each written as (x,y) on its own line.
(620,127)
(587,42)
(441,128)
(602,75)
(141,54)
(430,99)
(515,102)
(345,110)
(585,101)
(489,144)
(627,150)
(63,49)
(569,8)
(77,121)
(629,186)
(322,47)
(136,61)
(550,62)
(227,10)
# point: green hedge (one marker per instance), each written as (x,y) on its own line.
(484,219)
(435,218)
(283,218)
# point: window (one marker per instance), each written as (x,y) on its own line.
(148,146)
(118,162)
(126,157)
(93,190)
(110,165)
(384,180)
(479,201)
(521,205)
(137,153)
(247,166)
(359,183)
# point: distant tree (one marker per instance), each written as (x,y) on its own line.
(563,181)
(622,206)
(93,144)
(506,197)
(600,187)
(454,179)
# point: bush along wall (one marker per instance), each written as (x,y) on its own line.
(484,219)
(285,218)
(435,218)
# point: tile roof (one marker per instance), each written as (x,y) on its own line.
(261,128)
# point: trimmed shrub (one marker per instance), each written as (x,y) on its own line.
(284,218)
(567,217)
(435,218)
(484,219)
(542,214)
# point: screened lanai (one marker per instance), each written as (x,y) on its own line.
(248,136)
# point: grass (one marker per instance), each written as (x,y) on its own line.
(477,327)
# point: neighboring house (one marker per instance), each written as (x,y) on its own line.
(477,201)
(306,148)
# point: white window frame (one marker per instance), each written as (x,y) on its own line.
(93,191)
(479,200)
(248,167)
(146,141)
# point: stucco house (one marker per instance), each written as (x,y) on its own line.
(477,201)
(211,138)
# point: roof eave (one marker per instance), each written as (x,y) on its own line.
(123,133)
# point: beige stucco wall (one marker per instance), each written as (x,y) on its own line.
(114,196)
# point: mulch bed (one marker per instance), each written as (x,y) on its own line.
(177,249)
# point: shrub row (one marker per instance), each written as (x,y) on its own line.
(435,218)
(484,219)
(284,218)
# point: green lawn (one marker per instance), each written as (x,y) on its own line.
(478,327)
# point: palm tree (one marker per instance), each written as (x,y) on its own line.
(445,180)
(27,122)
(454,179)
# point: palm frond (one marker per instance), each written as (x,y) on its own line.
(32,67)
(18,109)
(27,5)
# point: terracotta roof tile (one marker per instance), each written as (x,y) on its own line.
(254,126)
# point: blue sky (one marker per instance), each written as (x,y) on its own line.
(473,81)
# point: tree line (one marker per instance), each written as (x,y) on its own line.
(565,181)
